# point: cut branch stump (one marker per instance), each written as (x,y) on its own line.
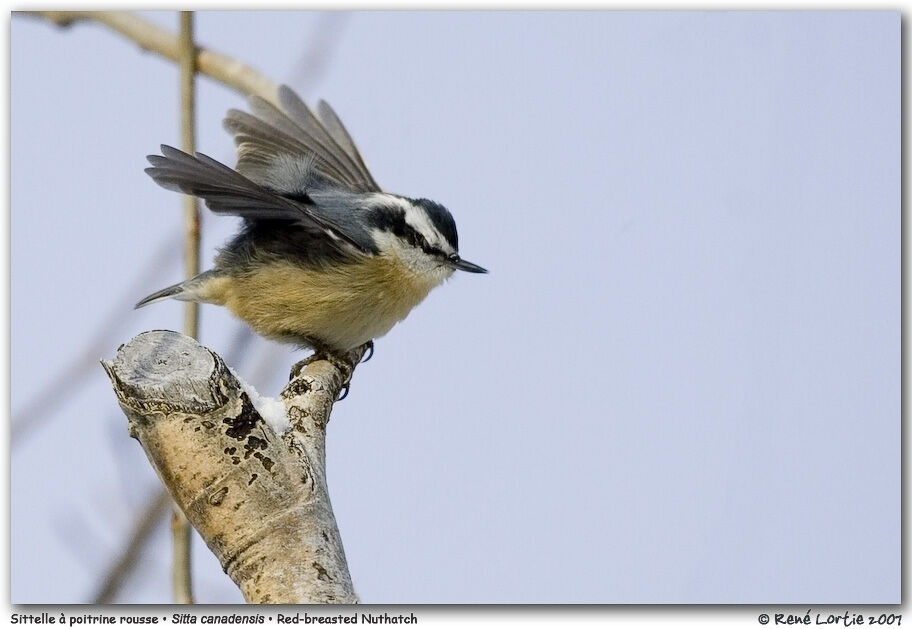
(257,497)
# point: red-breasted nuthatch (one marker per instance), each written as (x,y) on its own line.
(325,259)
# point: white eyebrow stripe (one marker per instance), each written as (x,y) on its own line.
(419,220)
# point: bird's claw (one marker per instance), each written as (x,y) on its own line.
(343,392)
(299,366)
(369,353)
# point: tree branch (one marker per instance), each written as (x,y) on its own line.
(257,497)
(222,68)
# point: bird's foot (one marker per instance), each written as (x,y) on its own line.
(328,356)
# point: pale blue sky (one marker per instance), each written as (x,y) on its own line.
(678,384)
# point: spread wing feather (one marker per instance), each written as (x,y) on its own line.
(340,134)
(261,146)
(269,136)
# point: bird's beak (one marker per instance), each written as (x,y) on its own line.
(464,265)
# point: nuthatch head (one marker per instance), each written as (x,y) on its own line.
(325,259)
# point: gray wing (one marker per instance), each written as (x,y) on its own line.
(270,139)
(228,192)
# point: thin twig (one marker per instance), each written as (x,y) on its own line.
(126,563)
(222,68)
(188,141)
(180,528)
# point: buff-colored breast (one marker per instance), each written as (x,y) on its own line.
(342,307)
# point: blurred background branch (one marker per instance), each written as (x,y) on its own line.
(39,409)
(126,562)
(222,68)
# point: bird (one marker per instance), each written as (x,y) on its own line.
(324,258)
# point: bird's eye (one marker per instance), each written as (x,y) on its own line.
(453,257)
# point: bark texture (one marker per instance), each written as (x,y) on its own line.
(259,499)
